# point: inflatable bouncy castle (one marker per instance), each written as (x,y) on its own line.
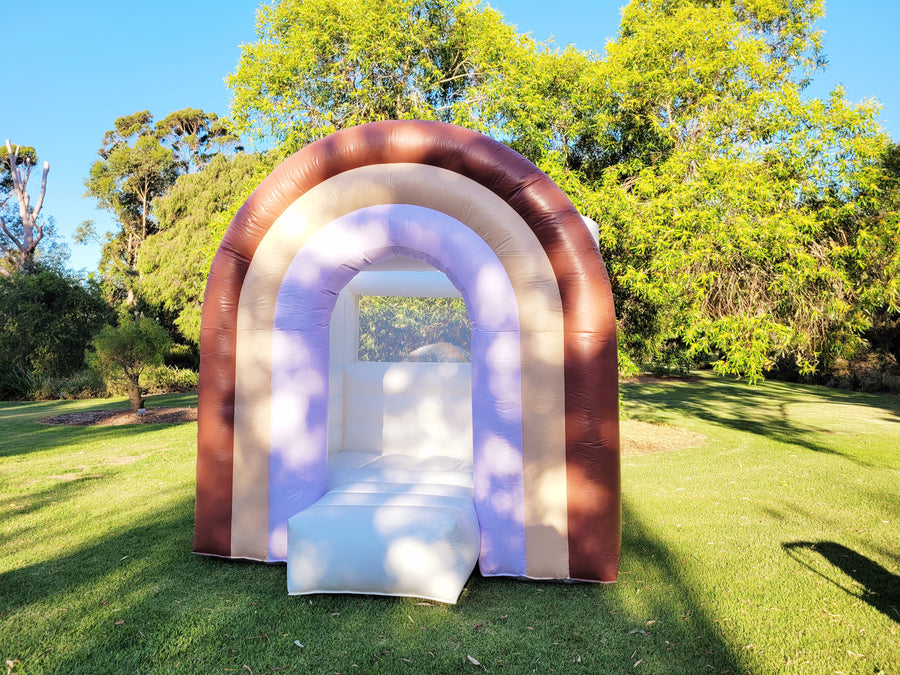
(395,477)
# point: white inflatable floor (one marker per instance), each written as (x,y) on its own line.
(389,525)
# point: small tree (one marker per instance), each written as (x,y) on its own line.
(126,350)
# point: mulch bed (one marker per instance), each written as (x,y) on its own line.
(115,418)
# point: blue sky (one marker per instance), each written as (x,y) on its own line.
(80,65)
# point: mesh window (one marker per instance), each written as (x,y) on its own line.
(393,329)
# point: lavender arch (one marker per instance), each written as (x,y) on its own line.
(300,361)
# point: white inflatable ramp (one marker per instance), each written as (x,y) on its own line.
(399,539)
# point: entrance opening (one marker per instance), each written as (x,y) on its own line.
(400,371)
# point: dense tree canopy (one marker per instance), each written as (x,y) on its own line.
(742,221)
(173,263)
(726,225)
(139,162)
(737,216)
(47,319)
(324,65)
(195,137)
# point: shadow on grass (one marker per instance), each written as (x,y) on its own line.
(139,600)
(758,409)
(879,587)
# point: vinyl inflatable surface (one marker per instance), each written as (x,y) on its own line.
(544,392)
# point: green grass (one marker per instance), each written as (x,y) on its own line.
(771,548)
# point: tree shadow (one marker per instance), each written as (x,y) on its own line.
(758,409)
(879,587)
(139,600)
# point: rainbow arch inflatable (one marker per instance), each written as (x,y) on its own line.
(545,437)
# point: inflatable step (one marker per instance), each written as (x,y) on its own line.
(401,540)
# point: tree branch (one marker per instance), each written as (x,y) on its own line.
(40,201)
(9,234)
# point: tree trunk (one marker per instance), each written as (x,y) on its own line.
(135,398)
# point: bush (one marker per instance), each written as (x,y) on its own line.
(83,384)
(182,356)
(873,371)
(46,321)
(17,384)
(167,380)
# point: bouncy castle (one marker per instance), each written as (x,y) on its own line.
(397,477)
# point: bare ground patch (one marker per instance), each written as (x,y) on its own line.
(644,438)
(114,418)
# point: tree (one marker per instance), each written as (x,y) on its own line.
(134,169)
(47,319)
(324,65)
(736,215)
(19,234)
(196,137)
(174,262)
(126,351)
(722,194)
(721,188)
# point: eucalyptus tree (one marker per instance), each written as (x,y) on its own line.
(140,162)
(21,227)
(134,169)
(196,137)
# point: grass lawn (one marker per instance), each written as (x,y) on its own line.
(772,547)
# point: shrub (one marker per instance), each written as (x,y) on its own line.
(16,383)
(82,384)
(182,356)
(126,351)
(872,371)
(167,380)
(46,321)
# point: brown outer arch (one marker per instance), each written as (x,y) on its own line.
(590,370)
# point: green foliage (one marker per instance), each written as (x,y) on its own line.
(174,262)
(17,384)
(134,169)
(139,163)
(154,380)
(732,211)
(323,65)
(46,321)
(182,356)
(124,352)
(168,380)
(391,328)
(743,223)
(82,384)
(196,137)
